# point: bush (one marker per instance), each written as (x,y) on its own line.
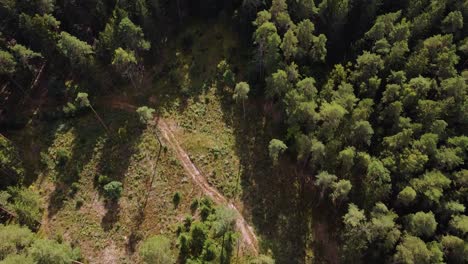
(103,180)
(113,190)
(46,251)
(157,250)
(13,239)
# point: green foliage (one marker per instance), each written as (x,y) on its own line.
(14,238)
(452,22)
(24,56)
(124,61)
(156,250)
(341,190)
(198,236)
(78,52)
(262,259)
(132,36)
(82,100)
(11,167)
(289,45)
(7,63)
(113,190)
(454,248)
(276,148)
(325,181)
(431,185)
(20,245)
(268,41)
(241,91)
(459,223)
(382,228)
(45,251)
(145,114)
(14,259)
(412,250)
(422,224)
(355,234)
(407,195)
(26,203)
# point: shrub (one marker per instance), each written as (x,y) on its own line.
(157,250)
(103,180)
(113,190)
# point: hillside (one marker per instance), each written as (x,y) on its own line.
(243,131)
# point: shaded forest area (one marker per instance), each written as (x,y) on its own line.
(350,122)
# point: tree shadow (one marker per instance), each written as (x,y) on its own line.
(87,133)
(111,216)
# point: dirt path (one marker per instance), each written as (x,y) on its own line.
(249,240)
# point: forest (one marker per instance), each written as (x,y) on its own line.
(236,131)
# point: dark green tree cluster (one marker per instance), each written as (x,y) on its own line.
(381,136)
(211,238)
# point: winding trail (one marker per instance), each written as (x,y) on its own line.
(249,239)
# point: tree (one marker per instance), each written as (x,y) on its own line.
(145,114)
(362,133)
(225,222)
(452,22)
(382,228)
(7,63)
(131,36)
(454,248)
(459,224)
(198,235)
(355,234)
(346,158)
(377,181)
(407,195)
(308,44)
(331,114)
(289,45)
(325,181)
(83,102)
(422,224)
(45,251)
(113,190)
(276,148)
(367,66)
(268,41)
(412,250)
(14,238)
(27,205)
(125,62)
(41,31)
(78,52)
(341,190)
(278,84)
(157,250)
(241,93)
(279,13)
(431,185)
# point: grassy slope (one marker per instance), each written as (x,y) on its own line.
(105,231)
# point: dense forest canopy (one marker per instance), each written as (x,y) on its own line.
(367,99)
